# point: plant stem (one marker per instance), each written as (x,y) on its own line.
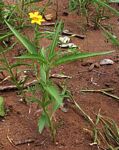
(50,121)
(14,80)
(22,5)
(36,35)
(51,126)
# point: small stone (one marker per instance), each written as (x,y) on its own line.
(68,45)
(64,39)
(50,14)
(56,143)
(66,31)
(72,45)
(49,17)
(106,62)
(25,71)
(64,45)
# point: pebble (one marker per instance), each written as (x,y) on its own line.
(68,45)
(64,39)
(48,17)
(106,62)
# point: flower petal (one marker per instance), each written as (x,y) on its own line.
(31,15)
(33,21)
(39,23)
(36,13)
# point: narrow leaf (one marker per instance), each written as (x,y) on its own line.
(53,91)
(41,123)
(28,45)
(42,73)
(19,64)
(75,56)
(103,4)
(55,40)
(32,56)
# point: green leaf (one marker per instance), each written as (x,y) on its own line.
(103,4)
(55,40)
(6,35)
(3,68)
(53,91)
(42,73)
(112,38)
(42,122)
(73,5)
(2,60)
(28,45)
(5,50)
(2,107)
(32,56)
(114,1)
(75,56)
(19,64)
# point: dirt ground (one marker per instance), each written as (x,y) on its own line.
(20,125)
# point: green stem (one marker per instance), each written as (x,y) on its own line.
(36,35)
(51,126)
(45,98)
(22,5)
(8,67)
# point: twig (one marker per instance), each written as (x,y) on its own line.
(26,141)
(13,87)
(104,91)
(48,24)
(64,32)
(38,144)
(99,90)
(111,95)
(11,141)
(60,76)
(6,78)
(83,112)
(73,34)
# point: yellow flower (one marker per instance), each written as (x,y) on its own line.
(36,18)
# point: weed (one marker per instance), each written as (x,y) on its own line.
(11,69)
(51,98)
(104,130)
(92,10)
